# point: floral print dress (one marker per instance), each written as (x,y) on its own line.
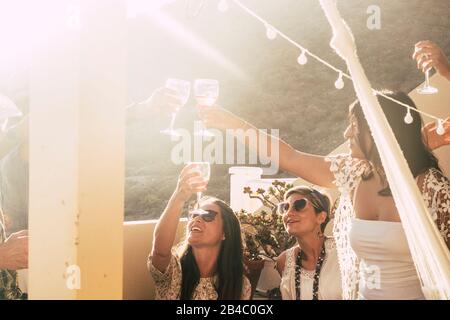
(9,287)
(168,283)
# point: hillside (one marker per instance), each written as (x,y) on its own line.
(264,84)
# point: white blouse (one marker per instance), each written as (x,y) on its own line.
(329,280)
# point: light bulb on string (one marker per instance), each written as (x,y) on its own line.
(270,32)
(302,59)
(223,6)
(339,84)
(440,128)
(408,118)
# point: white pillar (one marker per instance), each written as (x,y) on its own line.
(239,178)
(77,130)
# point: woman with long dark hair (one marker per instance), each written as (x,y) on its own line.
(374,256)
(208,265)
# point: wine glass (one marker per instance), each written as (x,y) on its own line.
(183,89)
(206,93)
(204,169)
(427,88)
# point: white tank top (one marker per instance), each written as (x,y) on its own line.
(329,282)
(387,270)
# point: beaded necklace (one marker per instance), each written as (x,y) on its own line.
(298,266)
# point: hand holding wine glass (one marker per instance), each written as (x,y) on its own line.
(204,171)
(190,181)
(428,55)
(424,61)
(206,94)
(182,89)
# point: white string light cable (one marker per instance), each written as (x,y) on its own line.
(190,13)
(272,32)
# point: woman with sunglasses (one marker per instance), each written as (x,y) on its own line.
(309,270)
(208,265)
(373,252)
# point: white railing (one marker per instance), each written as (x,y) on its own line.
(241,177)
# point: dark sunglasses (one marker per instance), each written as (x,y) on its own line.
(206,215)
(298,205)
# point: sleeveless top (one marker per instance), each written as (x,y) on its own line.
(387,270)
(348,172)
(329,282)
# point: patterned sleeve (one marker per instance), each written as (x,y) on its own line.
(246,289)
(165,282)
(347,170)
(436,193)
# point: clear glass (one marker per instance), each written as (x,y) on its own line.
(206,93)
(183,90)
(204,169)
(427,88)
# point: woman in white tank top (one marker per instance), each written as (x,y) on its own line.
(309,270)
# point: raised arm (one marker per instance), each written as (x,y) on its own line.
(162,102)
(189,182)
(312,168)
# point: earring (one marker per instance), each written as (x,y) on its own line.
(320,234)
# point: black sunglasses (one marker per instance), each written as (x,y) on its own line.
(298,205)
(206,215)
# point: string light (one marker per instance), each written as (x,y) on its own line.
(223,6)
(440,129)
(302,59)
(272,32)
(339,84)
(408,118)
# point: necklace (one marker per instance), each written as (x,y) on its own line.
(298,266)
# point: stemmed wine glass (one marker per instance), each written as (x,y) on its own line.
(204,169)
(206,93)
(427,88)
(183,89)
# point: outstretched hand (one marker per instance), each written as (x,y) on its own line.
(432,138)
(428,55)
(162,102)
(219,118)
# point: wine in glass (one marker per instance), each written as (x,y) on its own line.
(206,93)
(427,88)
(182,89)
(205,171)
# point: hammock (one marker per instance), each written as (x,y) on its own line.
(428,249)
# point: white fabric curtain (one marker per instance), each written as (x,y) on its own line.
(428,249)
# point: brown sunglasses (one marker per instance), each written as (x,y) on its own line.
(206,215)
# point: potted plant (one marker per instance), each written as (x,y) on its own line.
(263,232)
